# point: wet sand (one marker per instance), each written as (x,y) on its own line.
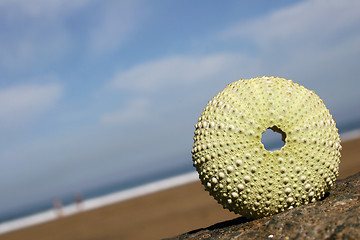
(155,216)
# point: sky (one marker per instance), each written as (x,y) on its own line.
(98,92)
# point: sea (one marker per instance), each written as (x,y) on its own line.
(121,191)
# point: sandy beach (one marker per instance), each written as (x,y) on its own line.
(154,216)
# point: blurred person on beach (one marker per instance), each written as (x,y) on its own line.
(58,207)
(78,201)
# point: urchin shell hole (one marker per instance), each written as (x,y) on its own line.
(273,138)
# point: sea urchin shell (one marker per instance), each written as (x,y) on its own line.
(240,173)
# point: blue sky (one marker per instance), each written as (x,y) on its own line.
(94,92)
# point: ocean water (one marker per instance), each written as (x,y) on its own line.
(135,182)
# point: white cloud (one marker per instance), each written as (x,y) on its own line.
(308,34)
(175,71)
(311,22)
(134,112)
(38,31)
(175,87)
(26,51)
(23,103)
(51,30)
(41,8)
(163,88)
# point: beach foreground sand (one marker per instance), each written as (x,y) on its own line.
(155,216)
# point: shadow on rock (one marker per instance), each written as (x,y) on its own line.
(221,225)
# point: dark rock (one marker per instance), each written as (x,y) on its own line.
(337,216)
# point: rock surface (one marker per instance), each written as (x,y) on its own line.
(337,216)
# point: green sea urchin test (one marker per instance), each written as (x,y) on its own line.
(240,173)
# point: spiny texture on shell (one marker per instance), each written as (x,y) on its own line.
(240,173)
